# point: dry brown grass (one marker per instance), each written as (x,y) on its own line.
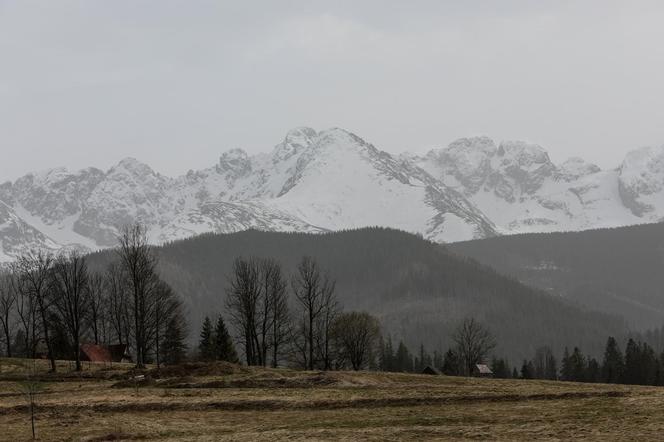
(226,402)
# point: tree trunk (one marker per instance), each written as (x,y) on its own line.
(9,339)
(51,357)
(311,339)
(77,344)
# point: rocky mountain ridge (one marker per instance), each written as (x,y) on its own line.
(333,180)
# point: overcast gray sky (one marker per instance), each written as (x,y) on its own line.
(175,83)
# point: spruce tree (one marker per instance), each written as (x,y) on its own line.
(613,365)
(632,363)
(593,371)
(174,348)
(500,368)
(551,371)
(578,366)
(451,363)
(223,345)
(206,344)
(403,359)
(527,370)
(566,369)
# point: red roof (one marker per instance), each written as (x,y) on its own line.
(103,353)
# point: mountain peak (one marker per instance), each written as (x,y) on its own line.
(132,166)
(236,161)
(295,141)
(333,179)
(523,153)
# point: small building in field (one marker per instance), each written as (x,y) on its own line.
(430,370)
(482,371)
(104,353)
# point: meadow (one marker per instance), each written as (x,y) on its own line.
(222,401)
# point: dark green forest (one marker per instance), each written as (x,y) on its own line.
(617,271)
(418,289)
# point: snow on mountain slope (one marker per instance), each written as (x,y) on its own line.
(342,182)
(16,236)
(319,181)
(520,190)
(641,182)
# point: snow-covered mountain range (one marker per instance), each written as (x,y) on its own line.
(330,180)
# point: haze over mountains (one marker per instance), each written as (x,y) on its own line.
(331,180)
(616,271)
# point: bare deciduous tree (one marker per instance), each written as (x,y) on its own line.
(166,308)
(71,296)
(33,272)
(356,335)
(26,310)
(98,303)
(138,264)
(473,343)
(242,298)
(276,308)
(30,387)
(118,303)
(258,306)
(314,293)
(7,300)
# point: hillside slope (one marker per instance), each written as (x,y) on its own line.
(618,271)
(418,289)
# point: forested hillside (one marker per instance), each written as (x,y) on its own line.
(619,271)
(418,289)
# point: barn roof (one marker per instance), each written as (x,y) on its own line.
(483,369)
(430,370)
(103,353)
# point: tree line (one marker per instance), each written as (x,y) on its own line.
(49,305)
(639,364)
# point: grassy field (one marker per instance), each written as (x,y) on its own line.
(226,402)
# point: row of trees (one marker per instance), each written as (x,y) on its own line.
(51,304)
(472,344)
(295,321)
(638,365)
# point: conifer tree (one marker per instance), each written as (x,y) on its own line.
(174,348)
(613,364)
(385,360)
(404,360)
(632,363)
(223,345)
(451,363)
(500,368)
(206,344)
(527,370)
(566,369)
(577,364)
(593,371)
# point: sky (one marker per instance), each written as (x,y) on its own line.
(176,83)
